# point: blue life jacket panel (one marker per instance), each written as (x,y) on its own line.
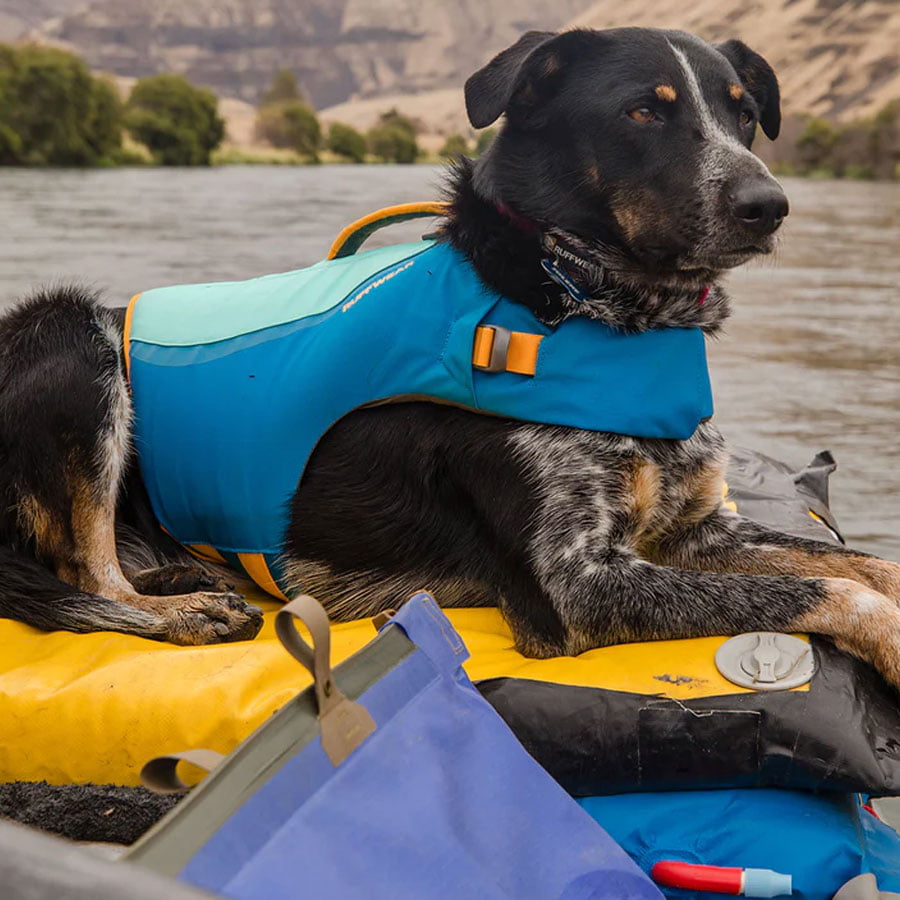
(235,383)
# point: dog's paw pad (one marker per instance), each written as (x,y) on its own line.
(213,619)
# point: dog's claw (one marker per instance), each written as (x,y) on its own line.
(212,619)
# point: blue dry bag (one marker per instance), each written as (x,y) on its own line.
(391,778)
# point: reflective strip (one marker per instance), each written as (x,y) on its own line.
(356,233)
(824,524)
(728,504)
(206,553)
(126,336)
(255,566)
(521,357)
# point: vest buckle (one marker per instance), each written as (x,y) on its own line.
(499,349)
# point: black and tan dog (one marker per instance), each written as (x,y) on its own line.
(630,148)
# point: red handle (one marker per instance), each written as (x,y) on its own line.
(717,879)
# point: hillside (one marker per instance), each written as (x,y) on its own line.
(355,58)
(18,16)
(837,58)
(339,49)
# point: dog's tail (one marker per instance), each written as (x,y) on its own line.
(30,593)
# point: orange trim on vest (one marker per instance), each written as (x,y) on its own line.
(126,336)
(255,566)
(521,356)
(387,216)
(206,553)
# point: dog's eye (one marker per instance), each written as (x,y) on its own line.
(642,114)
(747,118)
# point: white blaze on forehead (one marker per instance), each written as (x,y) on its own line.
(713,130)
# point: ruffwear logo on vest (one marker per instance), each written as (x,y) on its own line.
(376,284)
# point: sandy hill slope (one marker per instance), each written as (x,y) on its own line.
(339,49)
(839,58)
(356,58)
(17,16)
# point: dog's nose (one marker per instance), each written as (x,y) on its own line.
(759,205)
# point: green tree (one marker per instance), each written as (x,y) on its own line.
(283,87)
(178,122)
(851,155)
(393,138)
(392,144)
(343,140)
(105,121)
(884,141)
(455,145)
(53,112)
(290,124)
(484,140)
(10,142)
(816,145)
(393,118)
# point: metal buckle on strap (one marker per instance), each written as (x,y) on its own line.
(499,350)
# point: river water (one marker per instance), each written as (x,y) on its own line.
(810,360)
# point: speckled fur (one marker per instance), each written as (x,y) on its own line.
(582,539)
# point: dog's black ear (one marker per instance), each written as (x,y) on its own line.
(759,81)
(490,91)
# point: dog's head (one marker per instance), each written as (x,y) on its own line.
(639,138)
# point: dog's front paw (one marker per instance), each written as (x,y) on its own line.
(884,576)
(207,618)
(175,579)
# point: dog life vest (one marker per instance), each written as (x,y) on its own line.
(234,383)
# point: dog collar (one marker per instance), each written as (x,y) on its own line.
(560,260)
(556,262)
(560,257)
(523,223)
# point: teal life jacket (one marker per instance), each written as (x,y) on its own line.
(234,383)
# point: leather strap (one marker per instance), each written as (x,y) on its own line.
(521,354)
(344,724)
(379,620)
(161,775)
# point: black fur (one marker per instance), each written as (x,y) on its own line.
(758,78)
(64,460)
(631,147)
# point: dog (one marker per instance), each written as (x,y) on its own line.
(620,188)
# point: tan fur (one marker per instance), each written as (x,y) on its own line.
(882,575)
(736,91)
(703,492)
(88,560)
(551,65)
(666,92)
(51,541)
(367,592)
(861,621)
(629,219)
(93,527)
(875,574)
(643,495)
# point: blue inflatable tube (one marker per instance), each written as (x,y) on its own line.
(821,840)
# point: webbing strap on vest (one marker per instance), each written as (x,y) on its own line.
(498,349)
(358,232)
